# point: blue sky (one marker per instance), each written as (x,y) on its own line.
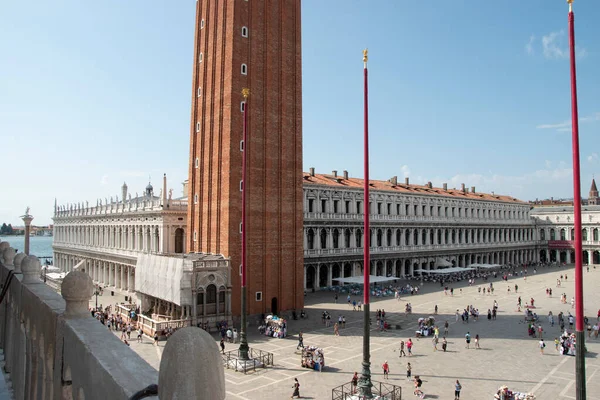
(96,93)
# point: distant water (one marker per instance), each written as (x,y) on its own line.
(40,246)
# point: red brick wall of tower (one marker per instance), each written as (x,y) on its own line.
(272,53)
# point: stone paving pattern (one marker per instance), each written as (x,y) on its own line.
(507,355)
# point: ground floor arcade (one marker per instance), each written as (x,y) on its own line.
(590,256)
(318,274)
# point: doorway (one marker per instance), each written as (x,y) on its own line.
(274,308)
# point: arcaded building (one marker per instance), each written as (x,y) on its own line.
(254,45)
(413,227)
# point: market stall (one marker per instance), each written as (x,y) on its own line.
(313,358)
(274,327)
(426,326)
(504,393)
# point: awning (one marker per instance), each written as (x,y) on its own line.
(440,262)
(445,270)
(360,279)
(486,266)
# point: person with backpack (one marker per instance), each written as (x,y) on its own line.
(457,388)
(468,339)
(542,345)
(418,384)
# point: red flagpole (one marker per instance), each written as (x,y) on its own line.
(364,384)
(243,349)
(579,328)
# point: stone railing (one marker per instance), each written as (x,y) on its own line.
(54,349)
(139,204)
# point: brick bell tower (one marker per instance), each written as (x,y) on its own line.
(252,44)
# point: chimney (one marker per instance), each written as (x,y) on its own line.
(334,173)
(312,171)
(462,187)
(345,174)
(164,191)
(406,181)
(394,180)
(445,186)
(429,185)
(472,189)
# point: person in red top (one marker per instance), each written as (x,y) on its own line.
(386,370)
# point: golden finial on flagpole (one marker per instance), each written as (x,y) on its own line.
(245,92)
(570,5)
(365,56)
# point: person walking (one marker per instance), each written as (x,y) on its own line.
(300,341)
(222,344)
(296,389)
(542,345)
(386,370)
(457,389)
(402,353)
(156,338)
(468,339)
(139,337)
(444,344)
(446,326)
(336,329)
(408,371)
(477,342)
(409,345)
(418,391)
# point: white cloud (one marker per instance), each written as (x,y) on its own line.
(104,180)
(529,45)
(593,158)
(566,125)
(405,170)
(555,46)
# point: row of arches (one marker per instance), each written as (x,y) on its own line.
(318,275)
(561,234)
(325,238)
(145,238)
(568,256)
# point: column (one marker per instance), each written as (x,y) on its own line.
(304,275)
(329,274)
(121,281)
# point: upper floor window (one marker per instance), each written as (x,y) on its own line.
(389,209)
(202,24)
(347,208)
(378,208)
(323,205)
(244,69)
(242,106)
(358,209)
(335,206)
(311,205)
(244,31)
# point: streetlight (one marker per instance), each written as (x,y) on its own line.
(96,293)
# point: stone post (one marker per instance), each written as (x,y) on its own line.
(31,268)
(76,289)
(27,220)
(8,257)
(195,349)
(17,262)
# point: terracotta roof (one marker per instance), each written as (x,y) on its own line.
(593,188)
(402,188)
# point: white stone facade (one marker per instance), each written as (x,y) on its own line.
(409,230)
(555,225)
(109,237)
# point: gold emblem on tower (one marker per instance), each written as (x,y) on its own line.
(245,92)
(365,56)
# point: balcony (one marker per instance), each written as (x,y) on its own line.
(55,349)
(414,219)
(315,253)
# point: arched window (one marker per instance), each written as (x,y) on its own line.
(310,238)
(595,234)
(406,237)
(398,237)
(389,237)
(379,238)
(358,238)
(347,238)
(439,237)
(431,238)
(563,234)
(323,236)
(244,31)
(542,234)
(584,234)
(552,234)
(336,239)
(179,240)
(415,237)
(244,69)
(572,234)
(424,236)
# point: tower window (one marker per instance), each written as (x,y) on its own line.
(197,162)
(200,56)
(195,236)
(241,145)
(240,227)
(242,106)
(197,126)
(195,199)
(258,296)
(202,24)
(241,185)
(244,31)
(244,69)
(199,92)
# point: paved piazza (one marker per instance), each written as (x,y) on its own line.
(508,356)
